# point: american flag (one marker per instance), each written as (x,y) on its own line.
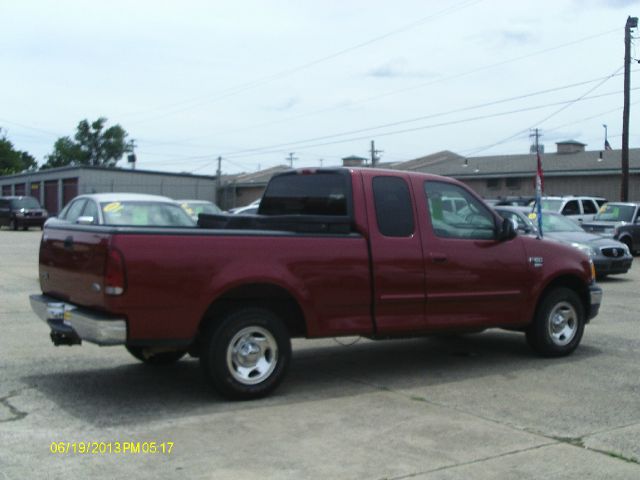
(607,145)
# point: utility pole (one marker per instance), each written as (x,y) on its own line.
(539,181)
(291,158)
(374,154)
(632,22)
(131,158)
(218,180)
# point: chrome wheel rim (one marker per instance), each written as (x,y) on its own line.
(563,324)
(252,355)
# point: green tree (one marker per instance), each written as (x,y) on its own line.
(12,160)
(92,145)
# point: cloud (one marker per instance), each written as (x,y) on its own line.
(508,37)
(617,3)
(285,105)
(396,68)
(511,37)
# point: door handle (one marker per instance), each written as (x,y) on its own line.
(438,257)
(68,243)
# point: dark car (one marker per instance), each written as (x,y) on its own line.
(515,201)
(21,212)
(609,256)
(618,220)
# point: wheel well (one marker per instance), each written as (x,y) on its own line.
(573,283)
(271,297)
(626,239)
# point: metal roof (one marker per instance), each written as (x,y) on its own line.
(256,178)
(115,170)
(553,164)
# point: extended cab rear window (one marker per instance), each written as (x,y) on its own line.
(320,193)
(394,208)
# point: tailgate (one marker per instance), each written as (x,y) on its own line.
(72,264)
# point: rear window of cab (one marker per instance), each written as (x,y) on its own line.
(320,193)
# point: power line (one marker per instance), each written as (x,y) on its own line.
(424,117)
(274,149)
(419,86)
(277,147)
(599,115)
(548,117)
(454,122)
(198,101)
(458,110)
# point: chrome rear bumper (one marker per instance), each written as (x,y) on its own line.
(70,324)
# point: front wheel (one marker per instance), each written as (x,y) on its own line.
(558,324)
(629,244)
(246,355)
(150,357)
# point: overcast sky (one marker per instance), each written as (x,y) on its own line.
(253,81)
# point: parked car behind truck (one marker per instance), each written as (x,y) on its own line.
(331,252)
(609,256)
(618,220)
(125,209)
(196,207)
(578,209)
(21,212)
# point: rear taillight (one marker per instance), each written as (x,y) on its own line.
(114,273)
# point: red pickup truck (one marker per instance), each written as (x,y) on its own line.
(331,252)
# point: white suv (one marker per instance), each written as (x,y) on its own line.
(576,208)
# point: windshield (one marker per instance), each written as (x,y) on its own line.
(612,212)
(25,202)
(145,214)
(558,223)
(553,205)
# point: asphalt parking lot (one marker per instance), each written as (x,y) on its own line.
(479,406)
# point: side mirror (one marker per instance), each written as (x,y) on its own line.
(508,229)
(85,220)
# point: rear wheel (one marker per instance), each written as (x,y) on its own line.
(150,357)
(558,325)
(246,355)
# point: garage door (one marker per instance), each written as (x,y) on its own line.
(69,189)
(51,196)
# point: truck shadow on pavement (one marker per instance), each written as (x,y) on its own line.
(134,393)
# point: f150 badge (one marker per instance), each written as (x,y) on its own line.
(537,262)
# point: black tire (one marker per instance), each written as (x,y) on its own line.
(558,324)
(629,244)
(156,358)
(246,355)
(13,224)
